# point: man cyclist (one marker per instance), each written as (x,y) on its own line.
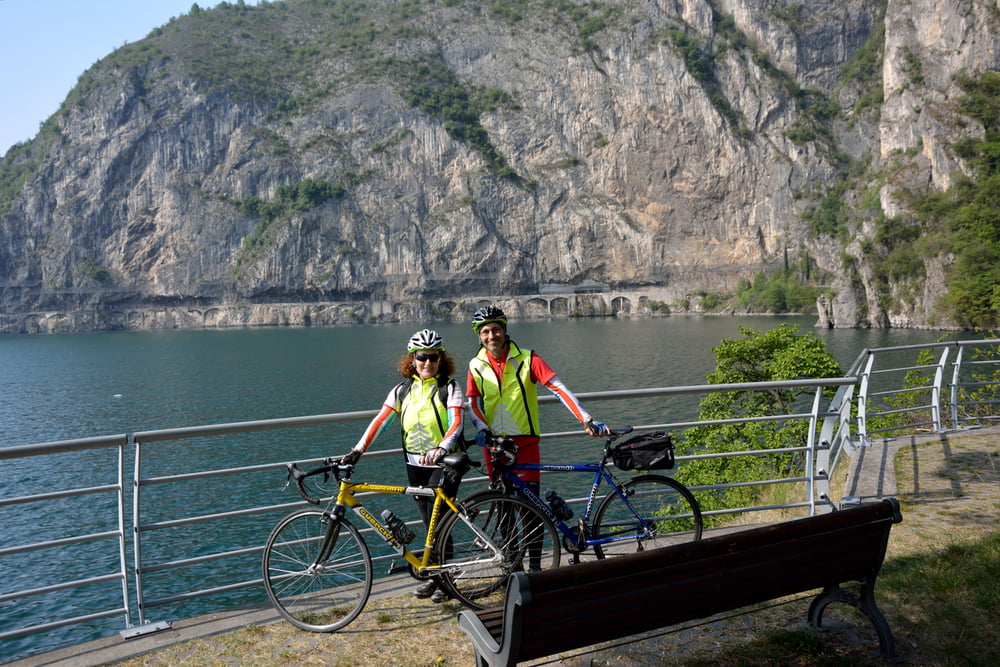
(502,387)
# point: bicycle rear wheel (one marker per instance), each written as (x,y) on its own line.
(317,571)
(525,539)
(667,507)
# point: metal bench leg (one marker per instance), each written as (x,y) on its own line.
(865,603)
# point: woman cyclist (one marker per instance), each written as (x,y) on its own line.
(429,405)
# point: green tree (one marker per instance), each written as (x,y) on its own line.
(782,353)
(962,223)
(777,292)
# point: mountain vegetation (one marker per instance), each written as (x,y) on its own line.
(327,161)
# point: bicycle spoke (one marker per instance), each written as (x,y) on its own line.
(519,538)
(318,582)
(659,512)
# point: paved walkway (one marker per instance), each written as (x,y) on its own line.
(871,476)
(115,648)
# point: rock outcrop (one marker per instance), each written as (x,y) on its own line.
(648,145)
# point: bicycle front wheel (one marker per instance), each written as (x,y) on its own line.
(317,570)
(669,515)
(513,536)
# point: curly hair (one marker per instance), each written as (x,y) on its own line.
(446,366)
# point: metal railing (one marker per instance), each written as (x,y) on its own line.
(115,535)
(825,426)
(974,391)
(153,556)
(167,536)
(141,482)
(899,393)
(814,476)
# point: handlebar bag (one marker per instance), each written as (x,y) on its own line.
(649,451)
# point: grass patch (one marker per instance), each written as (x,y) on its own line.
(949,600)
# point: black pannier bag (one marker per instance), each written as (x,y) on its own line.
(649,451)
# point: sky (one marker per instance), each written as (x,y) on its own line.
(45,45)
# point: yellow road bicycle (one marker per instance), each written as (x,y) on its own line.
(318,570)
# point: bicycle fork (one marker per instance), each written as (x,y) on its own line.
(332,521)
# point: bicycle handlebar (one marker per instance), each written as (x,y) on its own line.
(503,450)
(329,465)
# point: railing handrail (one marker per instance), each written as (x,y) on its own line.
(63,446)
(936,389)
(229,428)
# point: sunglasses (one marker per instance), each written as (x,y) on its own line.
(420,356)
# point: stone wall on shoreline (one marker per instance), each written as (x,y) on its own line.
(332,313)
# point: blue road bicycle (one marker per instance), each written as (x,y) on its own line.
(644,512)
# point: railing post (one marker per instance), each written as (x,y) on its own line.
(122,540)
(834,438)
(136,541)
(936,392)
(144,627)
(811,451)
(956,376)
(845,396)
(863,400)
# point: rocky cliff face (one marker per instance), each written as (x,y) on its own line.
(616,154)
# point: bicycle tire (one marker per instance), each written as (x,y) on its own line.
(313,591)
(527,539)
(666,504)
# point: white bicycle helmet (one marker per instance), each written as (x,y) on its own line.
(425,339)
(488,314)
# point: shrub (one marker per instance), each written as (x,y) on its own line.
(779,354)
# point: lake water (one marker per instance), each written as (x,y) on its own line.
(57,387)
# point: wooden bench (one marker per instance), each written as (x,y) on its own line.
(574,606)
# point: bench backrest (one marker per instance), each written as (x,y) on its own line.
(597,601)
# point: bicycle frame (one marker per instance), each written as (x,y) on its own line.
(600,472)
(422,564)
